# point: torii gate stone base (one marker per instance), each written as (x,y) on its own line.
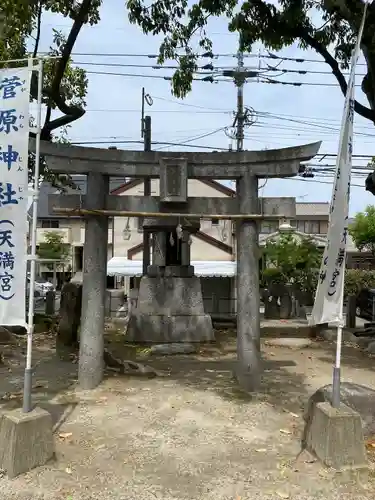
(170,305)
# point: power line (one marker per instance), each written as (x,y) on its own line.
(318,181)
(153,143)
(196,138)
(324,130)
(210,55)
(265,114)
(210,67)
(157,111)
(159,77)
(309,118)
(173,101)
(210,78)
(271,55)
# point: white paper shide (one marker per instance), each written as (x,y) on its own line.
(328,304)
(14,137)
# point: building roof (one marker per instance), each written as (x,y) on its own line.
(209,182)
(307,208)
(200,235)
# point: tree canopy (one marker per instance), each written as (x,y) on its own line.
(292,260)
(64,86)
(362,230)
(53,247)
(329,27)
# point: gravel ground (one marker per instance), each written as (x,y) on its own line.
(190,435)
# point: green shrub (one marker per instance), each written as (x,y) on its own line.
(357,279)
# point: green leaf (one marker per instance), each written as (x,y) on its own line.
(362,230)
(291,259)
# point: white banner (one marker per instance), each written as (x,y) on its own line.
(14,139)
(328,306)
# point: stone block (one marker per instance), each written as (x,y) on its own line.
(335,436)
(173,180)
(169,309)
(153,328)
(285,206)
(170,349)
(359,398)
(330,334)
(290,342)
(172,296)
(26,440)
(364,342)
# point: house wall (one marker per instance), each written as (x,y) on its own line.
(73,232)
(199,250)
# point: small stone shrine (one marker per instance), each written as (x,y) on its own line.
(170,303)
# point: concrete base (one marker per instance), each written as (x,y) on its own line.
(359,398)
(162,329)
(169,309)
(26,440)
(335,436)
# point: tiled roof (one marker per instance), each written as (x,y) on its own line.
(321,208)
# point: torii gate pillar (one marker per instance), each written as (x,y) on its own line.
(248,301)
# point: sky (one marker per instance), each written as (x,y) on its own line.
(285,115)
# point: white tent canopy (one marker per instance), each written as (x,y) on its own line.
(119,266)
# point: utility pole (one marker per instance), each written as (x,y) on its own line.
(146,134)
(239,76)
(241,119)
(240,111)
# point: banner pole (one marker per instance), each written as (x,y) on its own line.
(27,389)
(336,381)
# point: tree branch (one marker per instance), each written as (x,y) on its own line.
(367,113)
(38,26)
(72,113)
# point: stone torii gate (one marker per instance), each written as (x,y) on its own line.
(162,217)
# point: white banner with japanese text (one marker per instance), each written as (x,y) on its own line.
(328,305)
(14,141)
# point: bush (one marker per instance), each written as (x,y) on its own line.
(272,275)
(357,279)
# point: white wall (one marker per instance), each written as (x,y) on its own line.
(200,250)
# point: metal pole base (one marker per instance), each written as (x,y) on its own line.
(336,388)
(27,387)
